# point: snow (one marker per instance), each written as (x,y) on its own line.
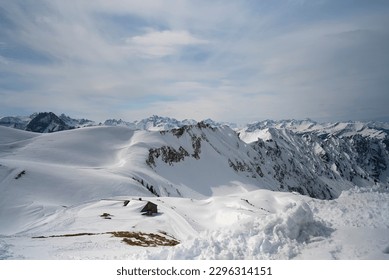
(360,218)
(252,136)
(252,131)
(9,135)
(62,183)
(257,225)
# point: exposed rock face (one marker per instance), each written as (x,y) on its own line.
(14,122)
(312,163)
(47,123)
(168,155)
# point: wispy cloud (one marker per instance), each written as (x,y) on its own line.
(228,60)
(162,43)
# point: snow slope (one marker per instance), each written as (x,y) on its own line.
(217,196)
(42,173)
(257,225)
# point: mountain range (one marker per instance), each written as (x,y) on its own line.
(50,122)
(45,177)
(315,159)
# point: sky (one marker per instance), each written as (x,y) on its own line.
(228,60)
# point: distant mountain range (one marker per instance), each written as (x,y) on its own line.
(48,122)
(315,159)
(45,122)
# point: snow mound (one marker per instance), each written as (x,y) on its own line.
(357,207)
(275,236)
(256,225)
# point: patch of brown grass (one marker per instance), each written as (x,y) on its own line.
(131,238)
(145,239)
(67,235)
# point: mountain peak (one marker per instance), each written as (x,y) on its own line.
(46,122)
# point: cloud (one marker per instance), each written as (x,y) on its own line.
(227,60)
(162,43)
(3,60)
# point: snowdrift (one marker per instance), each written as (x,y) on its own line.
(257,225)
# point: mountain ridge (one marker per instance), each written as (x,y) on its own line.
(318,160)
(158,123)
(152,123)
(205,180)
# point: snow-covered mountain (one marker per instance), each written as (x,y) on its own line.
(44,122)
(300,156)
(194,161)
(120,122)
(153,123)
(15,122)
(355,151)
(158,123)
(340,129)
(202,177)
(161,123)
(76,123)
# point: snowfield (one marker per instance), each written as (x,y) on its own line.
(258,225)
(63,197)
